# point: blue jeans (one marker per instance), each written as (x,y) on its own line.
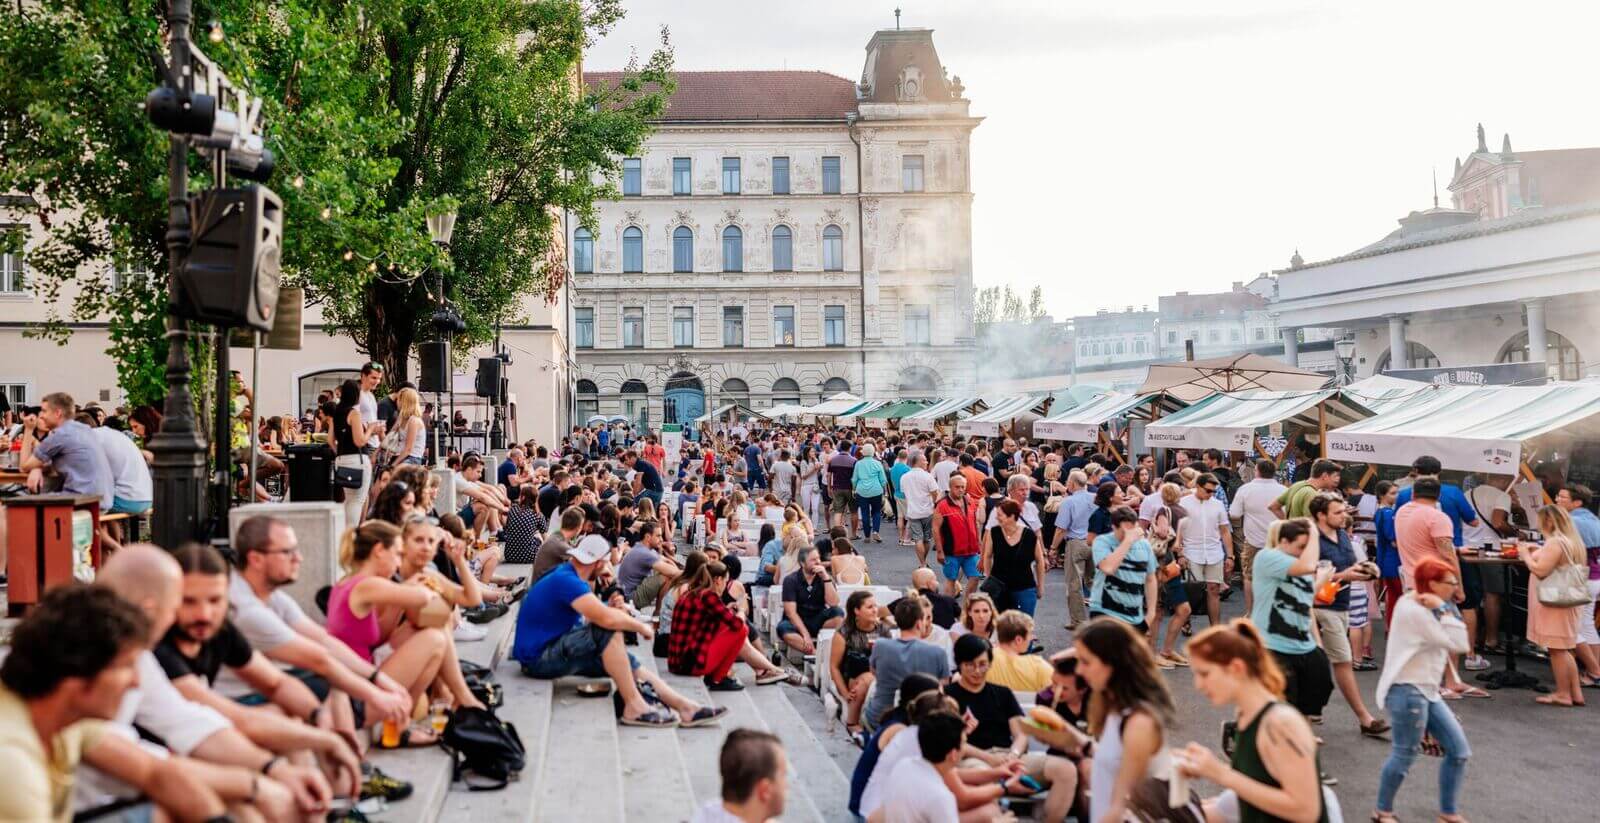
(1027,600)
(1410,714)
(871,510)
(576,653)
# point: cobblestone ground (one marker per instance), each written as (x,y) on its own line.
(1529,762)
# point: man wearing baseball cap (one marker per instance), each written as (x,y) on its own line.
(563,630)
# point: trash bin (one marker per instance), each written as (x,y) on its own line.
(310,471)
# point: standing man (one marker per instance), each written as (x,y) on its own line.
(785,478)
(1296,500)
(955,536)
(841,484)
(1072,526)
(944,465)
(1333,619)
(920,490)
(1492,505)
(654,453)
(1453,502)
(756,472)
(1252,504)
(1205,540)
(367,405)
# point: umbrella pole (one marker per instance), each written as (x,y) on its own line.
(1322,428)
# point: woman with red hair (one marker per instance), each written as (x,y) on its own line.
(1424,632)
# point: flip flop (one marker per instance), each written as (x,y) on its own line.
(1474,691)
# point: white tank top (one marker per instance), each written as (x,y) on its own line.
(1108,762)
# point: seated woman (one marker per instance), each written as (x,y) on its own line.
(771,508)
(849,568)
(395,502)
(795,520)
(850,654)
(424,655)
(482,563)
(771,554)
(691,564)
(790,562)
(525,527)
(977,617)
(707,637)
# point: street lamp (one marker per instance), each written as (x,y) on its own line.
(441,225)
(1345,349)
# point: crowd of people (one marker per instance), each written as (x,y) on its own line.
(260,710)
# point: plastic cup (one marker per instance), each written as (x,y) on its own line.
(391,734)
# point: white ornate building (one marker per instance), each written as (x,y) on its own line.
(784,235)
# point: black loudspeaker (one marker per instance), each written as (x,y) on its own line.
(435,360)
(488,382)
(231,275)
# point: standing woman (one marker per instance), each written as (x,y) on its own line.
(1425,631)
(1128,713)
(809,490)
(869,481)
(1555,627)
(350,440)
(410,436)
(1273,772)
(1014,556)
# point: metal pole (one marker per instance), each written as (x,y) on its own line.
(222,437)
(255,411)
(180,463)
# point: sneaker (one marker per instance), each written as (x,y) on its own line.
(1475,663)
(1365,665)
(467,633)
(378,784)
(726,684)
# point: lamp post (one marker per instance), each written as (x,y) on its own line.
(441,225)
(180,453)
(1345,350)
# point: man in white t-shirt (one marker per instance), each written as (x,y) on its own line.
(1250,504)
(784,478)
(130,475)
(1205,541)
(944,466)
(367,405)
(754,780)
(916,791)
(920,490)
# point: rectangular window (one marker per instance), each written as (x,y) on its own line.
(15,393)
(833,325)
(783,326)
(730,175)
(12,265)
(1233,335)
(917,332)
(631,177)
(633,327)
(682,169)
(780,175)
(586,409)
(1214,336)
(583,331)
(830,175)
(1172,338)
(1261,334)
(683,326)
(733,326)
(911,172)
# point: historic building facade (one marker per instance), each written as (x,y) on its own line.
(783,236)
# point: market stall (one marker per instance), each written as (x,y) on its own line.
(1010,416)
(841,403)
(943,413)
(1380,392)
(1090,422)
(890,416)
(723,417)
(1260,422)
(784,411)
(853,417)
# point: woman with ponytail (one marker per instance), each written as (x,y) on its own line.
(1273,772)
(371,553)
(708,637)
(1128,714)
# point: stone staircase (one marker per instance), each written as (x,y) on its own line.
(583,765)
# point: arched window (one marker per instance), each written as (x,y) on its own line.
(587,387)
(682,249)
(732,249)
(1421,357)
(832,249)
(635,387)
(1563,358)
(582,251)
(735,390)
(834,386)
(586,403)
(785,391)
(632,249)
(782,249)
(633,399)
(918,382)
(1121,346)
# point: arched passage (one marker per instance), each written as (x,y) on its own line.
(684,399)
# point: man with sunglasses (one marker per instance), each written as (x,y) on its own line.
(1205,540)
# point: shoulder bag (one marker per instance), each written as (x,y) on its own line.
(1567,585)
(484,745)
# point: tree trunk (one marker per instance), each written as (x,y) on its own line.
(391,331)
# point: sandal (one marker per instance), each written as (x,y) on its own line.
(1473,691)
(1384,817)
(704,716)
(1177,659)
(653,719)
(1376,729)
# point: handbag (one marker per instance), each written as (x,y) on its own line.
(1052,504)
(484,745)
(348,477)
(998,591)
(1566,586)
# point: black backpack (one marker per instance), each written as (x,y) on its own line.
(484,745)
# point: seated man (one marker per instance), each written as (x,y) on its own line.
(810,603)
(946,609)
(202,641)
(754,779)
(72,659)
(563,629)
(893,660)
(921,786)
(1000,730)
(1013,667)
(482,506)
(648,566)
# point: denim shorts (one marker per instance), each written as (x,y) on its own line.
(576,653)
(957,566)
(121,506)
(466,515)
(814,625)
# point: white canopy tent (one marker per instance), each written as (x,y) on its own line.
(926,419)
(850,418)
(838,404)
(1082,423)
(1192,380)
(729,411)
(1380,392)
(1011,415)
(1231,421)
(784,410)
(1472,428)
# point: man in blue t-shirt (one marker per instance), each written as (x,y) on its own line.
(649,478)
(756,477)
(564,630)
(1124,575)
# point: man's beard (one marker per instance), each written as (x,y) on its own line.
(198,631)
(277,582)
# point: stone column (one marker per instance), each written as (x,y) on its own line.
(1537,350)
(1399,353)
(1291,345)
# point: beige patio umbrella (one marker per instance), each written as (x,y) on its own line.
(1194,380)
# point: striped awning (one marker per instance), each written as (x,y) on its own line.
(1471,428)
(1231,421)
(1015,414)
(849,417)
(1081,424)
(926,419)
(881,418)
(841,403)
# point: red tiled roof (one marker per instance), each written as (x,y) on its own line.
(751,95)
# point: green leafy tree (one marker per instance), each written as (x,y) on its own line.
(379,112)
(987,305)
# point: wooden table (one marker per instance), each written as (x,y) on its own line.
(1510,678)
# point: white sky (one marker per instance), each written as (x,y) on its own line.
(1132,152)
